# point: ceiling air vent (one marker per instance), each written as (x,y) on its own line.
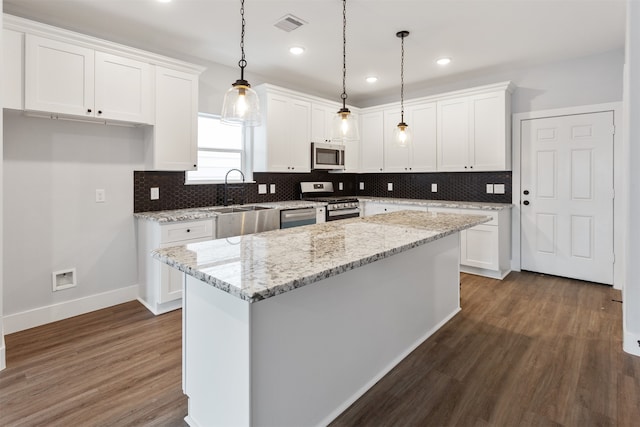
(289,23)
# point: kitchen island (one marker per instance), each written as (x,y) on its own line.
(290,327)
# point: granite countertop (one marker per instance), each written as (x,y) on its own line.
(439,203)
(258,266)
(206,212)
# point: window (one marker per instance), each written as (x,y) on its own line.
(220,148)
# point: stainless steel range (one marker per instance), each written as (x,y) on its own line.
(338,207)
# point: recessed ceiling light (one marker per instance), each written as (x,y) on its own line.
(164,1)
(371,79)
(443,61)
(296,50)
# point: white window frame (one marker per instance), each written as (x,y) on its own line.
(245,158)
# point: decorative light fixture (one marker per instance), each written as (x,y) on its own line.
(241,105)
(345,127)
(402,132)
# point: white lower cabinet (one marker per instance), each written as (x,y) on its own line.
(321,215)
(485,249)
(161,285)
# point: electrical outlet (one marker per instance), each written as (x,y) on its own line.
(434,188)
(389,186)
(498,188)
(101,195)
(340,186)
(362,185)
(272,188)
(489,188)
(155,193)
(262,188)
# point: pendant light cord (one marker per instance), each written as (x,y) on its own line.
(402,81)
(243,62)
(344,54)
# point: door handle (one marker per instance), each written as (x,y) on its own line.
(526,203)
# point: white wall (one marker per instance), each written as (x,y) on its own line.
(51,220)
(588,80)
(631,291)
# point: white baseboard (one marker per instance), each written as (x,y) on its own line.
(631,343)
(161,308)
(3,353)
(52,313)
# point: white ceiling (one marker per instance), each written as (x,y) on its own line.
(481,36)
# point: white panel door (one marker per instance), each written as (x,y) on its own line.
(567,184)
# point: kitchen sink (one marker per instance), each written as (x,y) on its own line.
(241,220)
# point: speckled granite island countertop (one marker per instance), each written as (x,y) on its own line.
(439,203)
(258,266)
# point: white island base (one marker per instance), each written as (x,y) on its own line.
(302,357)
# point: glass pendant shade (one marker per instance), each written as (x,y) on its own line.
(241,105)
(344,127)
(402,135)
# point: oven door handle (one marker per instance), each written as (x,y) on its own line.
(340,212)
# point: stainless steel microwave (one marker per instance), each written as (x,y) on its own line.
(327,156)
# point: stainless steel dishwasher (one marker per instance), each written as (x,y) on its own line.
(297,217)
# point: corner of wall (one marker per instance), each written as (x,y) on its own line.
(631,342)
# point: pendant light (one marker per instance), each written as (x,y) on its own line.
(402,132)
(241,105)
(344,126)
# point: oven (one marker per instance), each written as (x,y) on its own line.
(338,207)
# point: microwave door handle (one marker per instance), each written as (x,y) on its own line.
(341,160)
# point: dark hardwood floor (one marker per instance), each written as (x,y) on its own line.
(526,351)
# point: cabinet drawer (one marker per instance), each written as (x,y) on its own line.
(186,231)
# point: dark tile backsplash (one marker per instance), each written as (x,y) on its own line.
(463,186)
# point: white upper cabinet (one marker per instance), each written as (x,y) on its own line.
(69,79)
(372,142)
(453,134)
(13,69)
(282,143)
(173,141)
(322,121)
(489,129)
(396,158)
(473,132)
(59,77)
(423,157)
(123,89)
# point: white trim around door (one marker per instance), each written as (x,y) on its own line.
(619,181)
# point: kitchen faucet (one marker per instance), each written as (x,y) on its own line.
(226,185)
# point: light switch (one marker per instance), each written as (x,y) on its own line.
(434,188)
(498,188)
(362,185)
(101,196)
(389,186)
(262,188)
(155,193)
(489,188)
(272,188)
(340,186)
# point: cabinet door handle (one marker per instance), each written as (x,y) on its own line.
(470,167)
(88,110)
(465,167)
(188,230)
(99,111)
